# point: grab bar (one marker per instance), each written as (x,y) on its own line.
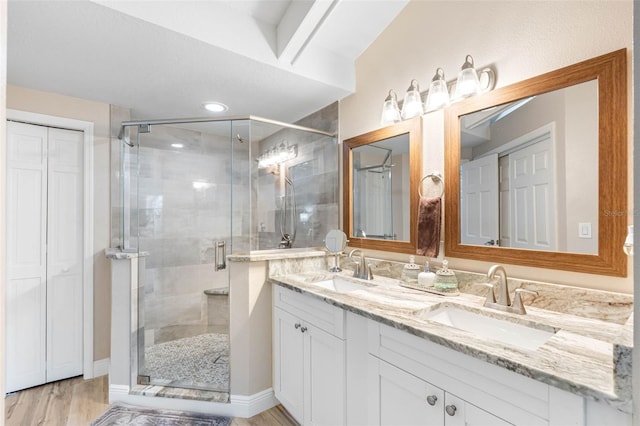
(221,261)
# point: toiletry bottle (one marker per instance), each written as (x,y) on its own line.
(446,280)
(426,277)
(410,271)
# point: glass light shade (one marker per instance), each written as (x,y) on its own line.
(438,95)
(412,105)
(390,110)
(468,83)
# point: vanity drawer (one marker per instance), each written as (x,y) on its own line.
(317,312)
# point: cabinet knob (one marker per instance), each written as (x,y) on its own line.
(431,399)
(303,329)
(297,325)
(451,410)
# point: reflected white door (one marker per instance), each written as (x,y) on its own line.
(479,201)
(44,255)
(533,215)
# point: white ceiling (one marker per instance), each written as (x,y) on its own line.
(280,59)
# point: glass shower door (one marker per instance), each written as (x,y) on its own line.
(184,181)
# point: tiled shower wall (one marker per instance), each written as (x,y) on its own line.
(315,176)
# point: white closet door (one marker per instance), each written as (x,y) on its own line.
(44,255)
(26,256)
(64,254)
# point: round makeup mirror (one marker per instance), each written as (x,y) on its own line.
(335,242)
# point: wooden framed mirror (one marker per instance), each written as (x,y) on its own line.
(381,172)
(549,190)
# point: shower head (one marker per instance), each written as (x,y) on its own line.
(240,138)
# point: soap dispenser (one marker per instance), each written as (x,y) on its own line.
(426,277)
(410,271)
(445,280)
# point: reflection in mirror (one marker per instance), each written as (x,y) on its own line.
(529,172)
(335,242)
(380,205)
(539,168)
(381,170)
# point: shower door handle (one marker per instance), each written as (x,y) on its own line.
(221,255)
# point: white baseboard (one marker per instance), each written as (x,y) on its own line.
(249,406)
(240,406)
(101,367)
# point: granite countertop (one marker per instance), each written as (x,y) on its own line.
(588,355)
(263,255)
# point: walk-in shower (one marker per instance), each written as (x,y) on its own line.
(194,190)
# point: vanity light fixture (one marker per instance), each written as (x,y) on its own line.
(177,145)
(468,83)
(215,106)
(277,155)
(438,94)
(390,110)
(412,104)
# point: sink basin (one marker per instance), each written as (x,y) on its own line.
(341,285)
(506,332)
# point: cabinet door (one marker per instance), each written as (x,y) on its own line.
(458,412)
(288,369)
(324,378)
(400,398)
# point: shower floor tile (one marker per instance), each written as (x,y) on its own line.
(197,362)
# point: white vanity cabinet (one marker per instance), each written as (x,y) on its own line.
(309,358)
(400,398)
(333,367)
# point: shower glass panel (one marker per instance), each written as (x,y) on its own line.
(194,192)
(184,216)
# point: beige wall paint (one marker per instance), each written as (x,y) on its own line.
(520,39)
(30,100)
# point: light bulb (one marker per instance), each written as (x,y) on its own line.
(390,110)
(438,95)
(468,83)
(412,105)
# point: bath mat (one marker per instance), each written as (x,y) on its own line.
(120,414)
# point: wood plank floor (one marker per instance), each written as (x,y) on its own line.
(76,402)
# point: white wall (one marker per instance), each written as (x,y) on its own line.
(520,39)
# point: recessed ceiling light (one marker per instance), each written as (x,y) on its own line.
(177,145)
(215,106)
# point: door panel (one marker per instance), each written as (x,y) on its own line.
(533,210)
(64,257)
(324,379)
(289,358)
(403,398)
(26,255)
(479,201)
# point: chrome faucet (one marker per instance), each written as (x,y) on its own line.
(504,303)
(363,269)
